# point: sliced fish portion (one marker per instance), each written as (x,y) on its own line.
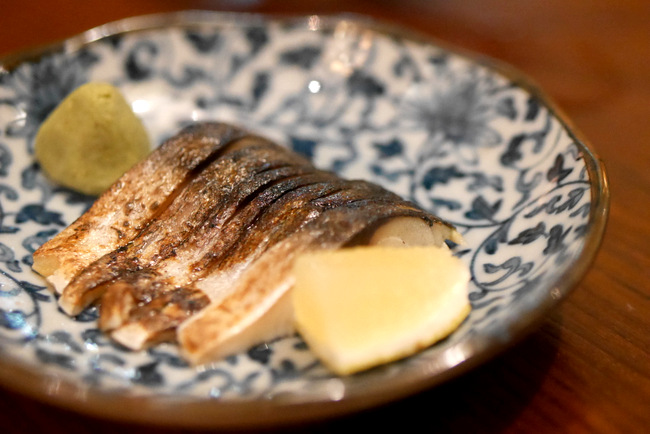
(210,197)
(210,264)
(131,203)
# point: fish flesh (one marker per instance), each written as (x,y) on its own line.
(198,248)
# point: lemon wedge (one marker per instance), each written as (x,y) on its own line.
(360,307)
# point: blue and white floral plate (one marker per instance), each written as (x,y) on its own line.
(468,140)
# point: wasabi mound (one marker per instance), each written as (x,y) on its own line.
(91,139)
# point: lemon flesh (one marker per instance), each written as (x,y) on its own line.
(91,139)
(360,307)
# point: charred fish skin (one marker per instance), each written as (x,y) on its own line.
(228,252)
(216,248)
(200,261)
(129,204)
(206,201)
(156,320)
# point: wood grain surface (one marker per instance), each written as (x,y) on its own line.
(587,368)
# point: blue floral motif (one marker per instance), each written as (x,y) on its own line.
(39,87)
(203,42)
(60,360)
(138,63)
(5,159)
(304,57)
(8,258)
(454,110)
(20,307)
(457,137)
(38,214)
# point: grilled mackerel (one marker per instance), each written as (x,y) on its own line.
(195,244)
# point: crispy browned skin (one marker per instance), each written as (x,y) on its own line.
(195,217)
(214,257)
(218,252)
(131,203)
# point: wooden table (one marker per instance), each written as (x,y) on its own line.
(587,369)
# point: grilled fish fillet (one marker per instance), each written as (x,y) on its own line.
(131,203)
(198,248)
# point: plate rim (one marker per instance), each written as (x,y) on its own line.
(201,412)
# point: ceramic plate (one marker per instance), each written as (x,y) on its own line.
(465,139)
